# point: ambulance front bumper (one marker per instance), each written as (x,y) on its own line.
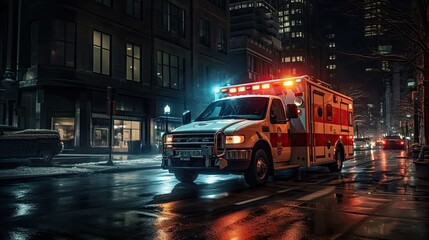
(203,161)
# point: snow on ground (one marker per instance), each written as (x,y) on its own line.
(78,168)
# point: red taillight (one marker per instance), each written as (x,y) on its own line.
(383,142)
(402,142)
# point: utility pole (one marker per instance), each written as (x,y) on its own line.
(111,107)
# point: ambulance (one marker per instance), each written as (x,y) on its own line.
(260,128)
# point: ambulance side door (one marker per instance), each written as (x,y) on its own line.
(279,134)
(318,140)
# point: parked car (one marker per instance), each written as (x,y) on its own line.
(393,142)
(35,144)
(361,144)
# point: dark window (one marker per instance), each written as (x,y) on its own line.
(329,112)
(171,18)
(101,53)
(204,32)
(134,8)
(170,70)
(107,3)
(133,62)
(350,119)
(221,45)
(277,113)
(219,3)
(56,42)
(319,111)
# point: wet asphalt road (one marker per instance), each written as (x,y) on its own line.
(376,196)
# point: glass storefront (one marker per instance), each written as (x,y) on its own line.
(66,128)
(126,136)
(100,132)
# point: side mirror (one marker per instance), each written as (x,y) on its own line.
(186,117)
(291,111)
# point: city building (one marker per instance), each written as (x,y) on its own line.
(57,60)
(255,44)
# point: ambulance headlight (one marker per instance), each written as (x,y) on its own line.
(235,139)
(298,101)
(168,139)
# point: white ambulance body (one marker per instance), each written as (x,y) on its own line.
(263,127)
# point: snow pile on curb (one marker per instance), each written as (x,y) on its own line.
(25,171)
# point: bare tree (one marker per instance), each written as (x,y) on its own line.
(408,23)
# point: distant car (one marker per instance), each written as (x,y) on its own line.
(393,142)
(35,144)
(361,144)
(371,143)
(379,143)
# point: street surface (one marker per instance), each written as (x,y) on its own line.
(376,196)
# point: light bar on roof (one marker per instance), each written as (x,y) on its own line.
(266,86)
(288,83)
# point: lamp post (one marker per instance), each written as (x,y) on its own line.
(166,112)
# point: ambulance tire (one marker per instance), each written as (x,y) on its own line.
(257,173)
(338,164)
(186,176)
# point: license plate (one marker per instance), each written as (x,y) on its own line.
(185,158)
(186,155)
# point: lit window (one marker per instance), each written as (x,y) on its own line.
(101,53)
(133,62)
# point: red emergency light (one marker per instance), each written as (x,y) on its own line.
(266,86)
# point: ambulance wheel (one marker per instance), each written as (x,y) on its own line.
(257,173)
(186,176)
(338,164)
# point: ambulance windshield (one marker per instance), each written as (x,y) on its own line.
(252,108)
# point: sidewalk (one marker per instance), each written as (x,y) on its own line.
(74,164)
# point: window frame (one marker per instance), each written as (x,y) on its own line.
(166,17)
(204,32)
(164,67)
(109,50)
(106,3)
(134,9)
(133,59)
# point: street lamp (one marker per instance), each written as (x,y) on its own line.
(166,112)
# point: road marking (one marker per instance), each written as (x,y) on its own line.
(148,214)
(317,194)
(251,200)
(287,190)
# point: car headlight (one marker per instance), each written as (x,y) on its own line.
(235,139)
(168,139)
